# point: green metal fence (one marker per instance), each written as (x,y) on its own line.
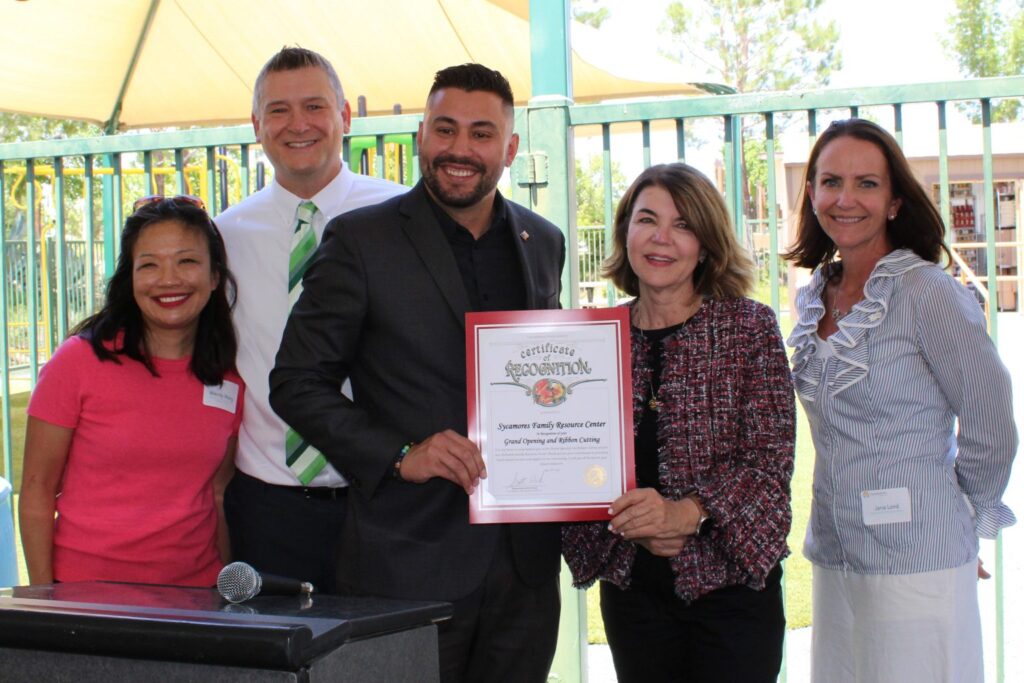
(69,197)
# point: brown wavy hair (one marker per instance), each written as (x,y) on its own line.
(727,270)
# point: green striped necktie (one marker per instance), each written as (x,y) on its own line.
(303,460)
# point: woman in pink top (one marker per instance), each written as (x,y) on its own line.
(133,422)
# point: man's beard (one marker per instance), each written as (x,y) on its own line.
(431,176)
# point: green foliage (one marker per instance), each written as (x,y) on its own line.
(987,39)
(756,44)
(19,416)
(590,190)
(22,128)
(590,12)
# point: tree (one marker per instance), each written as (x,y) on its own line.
(23,128)
(987,40)
(589,12)
(590,190)
(756,44)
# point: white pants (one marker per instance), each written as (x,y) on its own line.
(915,628)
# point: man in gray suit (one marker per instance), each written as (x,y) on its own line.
(384,304)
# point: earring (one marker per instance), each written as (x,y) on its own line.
(892,216)
(703,255)
(814,211)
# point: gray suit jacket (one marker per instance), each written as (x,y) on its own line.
(383,304)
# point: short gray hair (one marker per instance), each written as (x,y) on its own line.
(290,59)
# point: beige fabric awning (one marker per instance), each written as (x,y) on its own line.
(197,61)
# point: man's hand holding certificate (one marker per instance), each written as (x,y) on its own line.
(550,408)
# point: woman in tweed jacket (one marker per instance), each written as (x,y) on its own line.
(689,565)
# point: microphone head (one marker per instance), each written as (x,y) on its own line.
(238,582)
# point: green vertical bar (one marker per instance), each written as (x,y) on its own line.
(897,113)
(609,202)
(734,171)
(211,181)
(812,126)
(179,171)
(990,220)
(90,231)
(548,132)
(944,173)
(645,130)
(32,273)
(112,245)
(59,246)
(681,140)
(147,175)
(854,112)
(773,221)
(416,158)
(550,65)
(244,163)
(5,394)
(993,326)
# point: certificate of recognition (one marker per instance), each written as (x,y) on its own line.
(550,406)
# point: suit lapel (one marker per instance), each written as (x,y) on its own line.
(527,251)
(420,226)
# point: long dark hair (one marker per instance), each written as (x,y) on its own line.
(215,343)
(917,226)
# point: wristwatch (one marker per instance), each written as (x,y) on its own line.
(704,525)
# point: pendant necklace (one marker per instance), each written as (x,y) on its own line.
(837,315)
(653,403)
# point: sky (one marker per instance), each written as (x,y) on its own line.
(874,35)
(882,42)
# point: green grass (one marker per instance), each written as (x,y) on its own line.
(19,403)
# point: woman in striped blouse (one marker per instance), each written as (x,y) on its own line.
(689,565)
(910,412)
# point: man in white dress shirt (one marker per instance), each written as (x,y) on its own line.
(277,523)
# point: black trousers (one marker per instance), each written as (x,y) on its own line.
(284,530)
(731,634)
(505,630)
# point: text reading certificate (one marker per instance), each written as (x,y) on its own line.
(550,406)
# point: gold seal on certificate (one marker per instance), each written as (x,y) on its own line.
(549,404)
(595,476)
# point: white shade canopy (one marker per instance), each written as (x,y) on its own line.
(197,61)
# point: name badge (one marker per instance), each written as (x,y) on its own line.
(224,396)
(885,506)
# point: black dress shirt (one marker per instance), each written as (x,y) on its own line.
(489,266)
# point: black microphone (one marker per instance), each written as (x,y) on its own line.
(238,582)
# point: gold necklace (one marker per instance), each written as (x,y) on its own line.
(653,403)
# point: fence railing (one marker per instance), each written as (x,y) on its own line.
(69,197)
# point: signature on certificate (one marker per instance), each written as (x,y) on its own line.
(527,482)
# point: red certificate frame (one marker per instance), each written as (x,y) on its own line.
(550,404)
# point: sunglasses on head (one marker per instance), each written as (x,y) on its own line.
(181,198)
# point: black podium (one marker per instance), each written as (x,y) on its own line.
(96,631)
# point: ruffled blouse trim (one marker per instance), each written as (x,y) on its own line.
(989,520)
(847,342)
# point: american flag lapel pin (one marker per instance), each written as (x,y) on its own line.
(524,235)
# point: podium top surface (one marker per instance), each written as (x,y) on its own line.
(196,624)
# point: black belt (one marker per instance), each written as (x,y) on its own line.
(308,492)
